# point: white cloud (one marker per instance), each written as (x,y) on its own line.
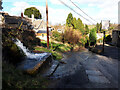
(55,15)
(18,8)
(107,9)
(25,0)
(56,2)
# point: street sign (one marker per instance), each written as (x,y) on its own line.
(105,24)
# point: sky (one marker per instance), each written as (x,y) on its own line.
(97,9)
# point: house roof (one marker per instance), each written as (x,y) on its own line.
(40,31)
(39,24)
(43,31)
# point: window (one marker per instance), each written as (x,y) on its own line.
(42,35)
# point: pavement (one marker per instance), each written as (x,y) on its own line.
(88,70)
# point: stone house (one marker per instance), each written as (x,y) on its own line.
(42,35)
(40,29)
(116,37)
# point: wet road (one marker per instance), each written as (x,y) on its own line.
(86,70)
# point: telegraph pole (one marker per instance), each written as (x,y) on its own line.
(47,24)
(103,41)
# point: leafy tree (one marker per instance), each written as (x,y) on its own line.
(98,27)
(80,25)
(32,10)
(86,29)
(74,23)
(69,20)
(1,5)
(56,35)
(92,37)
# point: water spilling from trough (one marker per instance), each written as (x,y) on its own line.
(33,61)
(30,55)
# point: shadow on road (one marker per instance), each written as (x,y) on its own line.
(110,51)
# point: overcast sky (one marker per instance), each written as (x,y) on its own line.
(97,9)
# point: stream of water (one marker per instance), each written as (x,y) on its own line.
(35,56)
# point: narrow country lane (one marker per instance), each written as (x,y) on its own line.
(87,70)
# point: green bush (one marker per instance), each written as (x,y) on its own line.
(108,38)
(92,37)
(56,35)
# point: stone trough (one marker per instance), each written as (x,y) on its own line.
(33,66)
(34,62)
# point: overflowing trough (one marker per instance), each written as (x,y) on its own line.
(34,61)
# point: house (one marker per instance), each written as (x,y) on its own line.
(59,28)
(116,37)
(39,25)
(42,34)
(40,28)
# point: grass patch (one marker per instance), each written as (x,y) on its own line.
(55,48)
(56,55)
(14,78)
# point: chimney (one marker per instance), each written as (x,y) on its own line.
(32,17)
(21,15)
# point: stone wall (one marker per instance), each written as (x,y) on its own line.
(116,37)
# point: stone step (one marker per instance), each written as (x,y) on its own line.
(94,72)
(52,69)
(98,79)
(96,76)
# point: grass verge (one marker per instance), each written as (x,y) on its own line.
(56,55)
(14,78)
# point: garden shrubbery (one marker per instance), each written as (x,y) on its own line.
(56,35)
(72,36)
(92,37)
(108,38)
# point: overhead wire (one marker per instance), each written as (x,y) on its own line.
(75,11)
(82,11)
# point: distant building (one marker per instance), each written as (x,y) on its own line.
(40,28)
(59,28)
(39,25)
(42,35)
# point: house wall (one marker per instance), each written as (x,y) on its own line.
(39,35)
(116,38)
(1,18)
